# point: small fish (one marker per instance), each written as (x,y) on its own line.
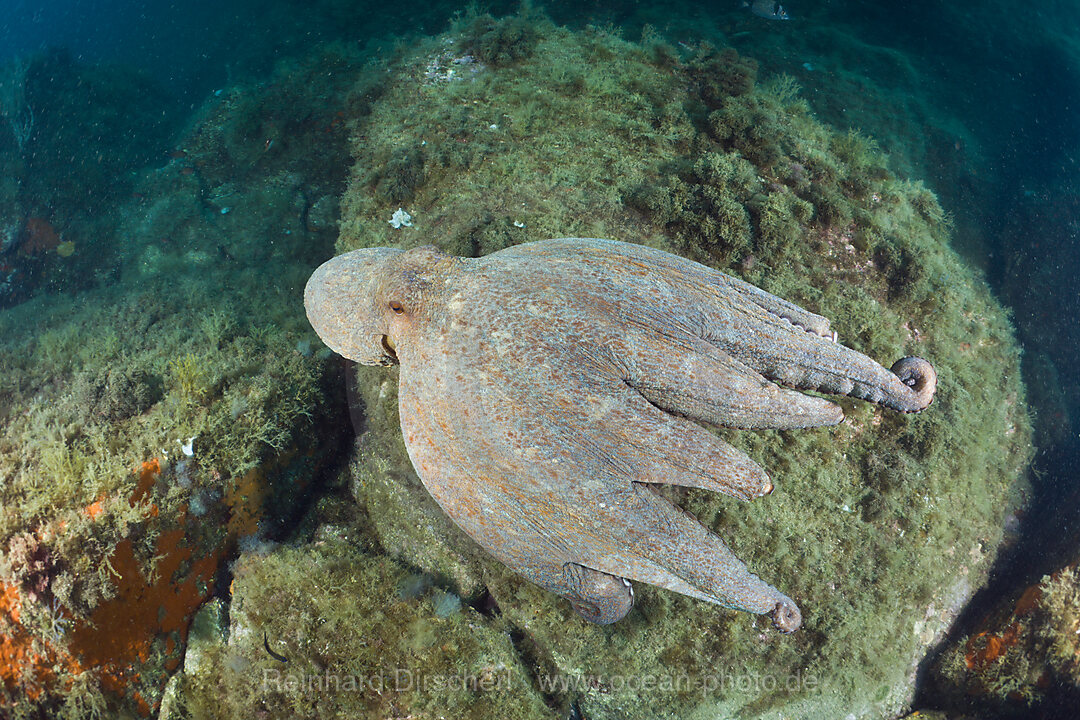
(276,656)
(767,9)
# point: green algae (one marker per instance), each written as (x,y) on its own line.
(355,647)
(468,130)
(503,41)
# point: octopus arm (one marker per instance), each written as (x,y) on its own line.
(665,546)
(659,448)
(788,355)
(688,376)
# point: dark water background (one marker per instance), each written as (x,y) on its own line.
(1009,72)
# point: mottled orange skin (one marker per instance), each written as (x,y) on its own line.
(546,387)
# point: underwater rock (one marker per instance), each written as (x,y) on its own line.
(321,630)
(155,423)
(882,526)
(1026,651)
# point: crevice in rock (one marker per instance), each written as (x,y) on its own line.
(543,673)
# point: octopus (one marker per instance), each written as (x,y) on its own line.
(547,389)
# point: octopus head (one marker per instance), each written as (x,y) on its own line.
(360,303)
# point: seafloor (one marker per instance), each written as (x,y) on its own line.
(189,529)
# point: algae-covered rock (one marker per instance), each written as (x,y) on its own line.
(153,423)
(880,528)
(1025,651)
(324,630)
(149,426)
(138,444)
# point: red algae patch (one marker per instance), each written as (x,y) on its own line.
(38,236)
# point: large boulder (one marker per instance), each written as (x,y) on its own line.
(880,528)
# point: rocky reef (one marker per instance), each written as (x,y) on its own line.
(1024,654)
(170,413)
(882,527)
(1025,651)
(162,432)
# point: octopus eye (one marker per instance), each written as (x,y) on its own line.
(396,307)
